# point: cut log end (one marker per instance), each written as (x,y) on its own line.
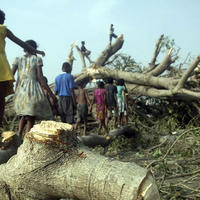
(54,133)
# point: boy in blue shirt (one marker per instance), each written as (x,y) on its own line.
(64,88)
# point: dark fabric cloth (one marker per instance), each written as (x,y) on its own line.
(110,91)
(82,111)
(66,109)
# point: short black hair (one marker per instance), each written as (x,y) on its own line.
(120,82)
(32,43)
(66,67)
(100,84)
(79,84)
(109,80)
(2,17)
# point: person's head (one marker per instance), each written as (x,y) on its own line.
(100,84)
(2,17)
(32,43)
(111,25)
(79,85)
(83,42)
(120,82)
(66,67)
(109,80)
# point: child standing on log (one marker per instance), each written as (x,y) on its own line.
(29,101)
(122,104)
(99,98)
(6,76)
(111,101)
(112,34)
(83,101)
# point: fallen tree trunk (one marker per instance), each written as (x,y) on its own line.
(50,164)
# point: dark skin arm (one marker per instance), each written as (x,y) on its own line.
(126,94)
(21,43)
(73,96)
(87,97)
(44,84)
(14,69)
(93,101)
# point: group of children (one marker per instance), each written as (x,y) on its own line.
(111,101)
(33,99)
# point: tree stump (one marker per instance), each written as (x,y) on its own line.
(52,164)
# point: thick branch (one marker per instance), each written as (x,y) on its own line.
(163,65)
(109,51)
(155,55)
(82,58)
(187,73)
(134,78)
(70,58)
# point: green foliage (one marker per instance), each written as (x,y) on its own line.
(121,143)
(126,63)
(157,153)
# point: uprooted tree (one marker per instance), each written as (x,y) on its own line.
(150,82)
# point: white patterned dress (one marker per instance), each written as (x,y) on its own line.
(29,98)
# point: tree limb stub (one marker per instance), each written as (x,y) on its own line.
(50,166)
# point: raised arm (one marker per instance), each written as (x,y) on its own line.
(21,43)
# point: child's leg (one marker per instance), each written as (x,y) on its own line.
(100,127)
(2,101)
(30,122)
(125,118)
(77,122)
(85,127)
(2,107)
(106,128)
(22,124)
(121,119)
(63,118)
(115,117)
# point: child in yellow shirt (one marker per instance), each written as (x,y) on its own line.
(6,76)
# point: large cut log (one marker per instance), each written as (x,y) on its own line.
(50,164)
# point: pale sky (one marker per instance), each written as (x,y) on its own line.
(56,24)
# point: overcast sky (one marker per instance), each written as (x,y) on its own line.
(56,24)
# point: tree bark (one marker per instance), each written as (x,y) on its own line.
(50,164)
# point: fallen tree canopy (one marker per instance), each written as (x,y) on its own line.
(50,164)
(152,82)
